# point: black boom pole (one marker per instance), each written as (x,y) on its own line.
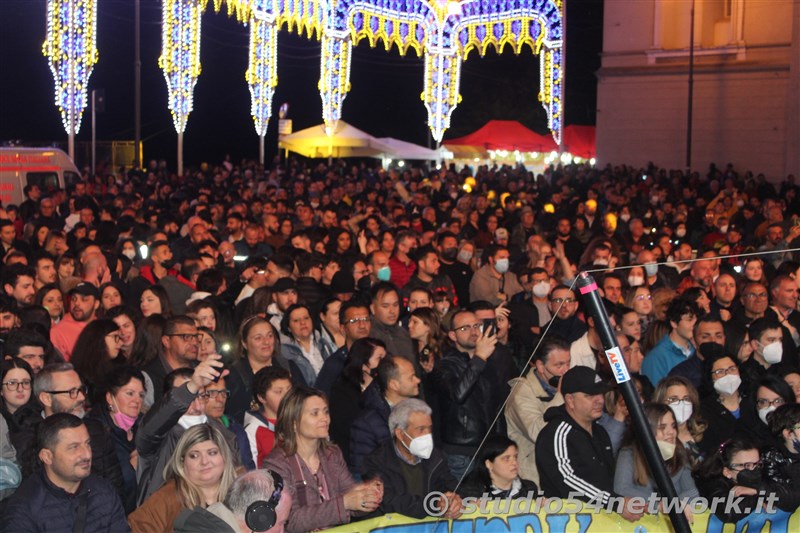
(588,289)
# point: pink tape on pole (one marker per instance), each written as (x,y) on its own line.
(588,288)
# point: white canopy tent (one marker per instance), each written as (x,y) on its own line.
(349,141)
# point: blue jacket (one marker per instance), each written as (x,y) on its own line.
(293,354)
(39,505)
(664,356)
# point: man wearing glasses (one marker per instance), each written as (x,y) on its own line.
(355,320)
(564,308)
(59,389)
(466,390)
(216,397)
(180,346)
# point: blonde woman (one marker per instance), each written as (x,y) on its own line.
(198,474)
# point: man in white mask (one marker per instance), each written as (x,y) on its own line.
(181,407)
(410,467)
(493,282)
(766,339)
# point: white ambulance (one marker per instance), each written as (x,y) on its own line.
(49,168)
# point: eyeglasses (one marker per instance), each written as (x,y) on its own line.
(745,466)
(476,327)
(359,320)
(753,295)
(214,394)
(564,300)
(14,384)
(644,297)
(725,371)
(675,400)
(73,393)
(187,337)
(115,337)
(763,402)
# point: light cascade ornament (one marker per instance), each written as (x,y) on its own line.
(443,31)
(180,55)
(72,53)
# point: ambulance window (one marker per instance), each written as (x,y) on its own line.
(71,178)
(47,181)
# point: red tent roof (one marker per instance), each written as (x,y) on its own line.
(505,135)
(580,141)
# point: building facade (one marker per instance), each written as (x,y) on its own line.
(746,101)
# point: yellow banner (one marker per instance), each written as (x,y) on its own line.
(582,522)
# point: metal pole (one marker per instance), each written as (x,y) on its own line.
(645,437)
(691,94)
(180,154)
(137,85)
(563,79)
(94,134)
(261,149)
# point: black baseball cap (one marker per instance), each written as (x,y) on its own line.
(284,284)
(583,379)
(85,289)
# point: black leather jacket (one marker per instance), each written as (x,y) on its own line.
(464,390)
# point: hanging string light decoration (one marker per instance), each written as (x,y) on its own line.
(72,53)
(180,55)
(443,31)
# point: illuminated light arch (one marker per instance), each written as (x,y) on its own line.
(443,31)
(72,53)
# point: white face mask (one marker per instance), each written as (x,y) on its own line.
(728,384)
(130,254)
(635,281)
(682,410)
(464,256)
(762,413)
(601,262)
(723,228)
(187,421)
(667,449)
(541,290)
(680,233)
(651,269)
(421,446)
(773,353)
(501,266)
(625,217)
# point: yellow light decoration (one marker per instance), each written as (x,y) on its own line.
(444,31)
(72,53)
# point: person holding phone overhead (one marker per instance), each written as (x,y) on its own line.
(466,390)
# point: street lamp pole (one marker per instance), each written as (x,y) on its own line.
(137,85)
(691,93)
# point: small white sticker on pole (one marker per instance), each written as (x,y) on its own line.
(618,367)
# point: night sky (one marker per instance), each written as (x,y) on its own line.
(383,100)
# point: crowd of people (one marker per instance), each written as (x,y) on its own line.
(242,348)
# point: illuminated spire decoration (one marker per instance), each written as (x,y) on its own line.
(180,55)
(444,32)
(72,53)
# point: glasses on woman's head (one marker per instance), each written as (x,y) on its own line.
(17,384)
